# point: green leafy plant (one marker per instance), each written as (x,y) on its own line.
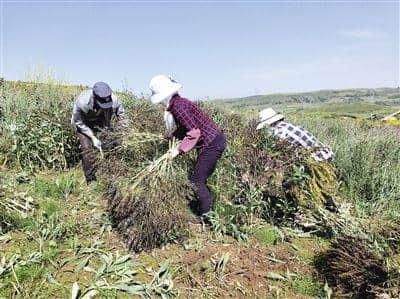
(117,274)
(267,235)
(230,220)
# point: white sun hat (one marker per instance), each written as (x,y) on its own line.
(163,87)
(267,117)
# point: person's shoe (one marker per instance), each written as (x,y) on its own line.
(330,204)
(196,220)
(90,180)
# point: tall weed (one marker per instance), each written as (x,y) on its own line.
(34,126)
(366,156)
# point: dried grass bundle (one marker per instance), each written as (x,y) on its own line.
(323,182)
(122,141)
(157,169)
(126,150)
(151,208)
(276,170)
(354,268)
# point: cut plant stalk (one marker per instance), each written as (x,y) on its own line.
(158,168)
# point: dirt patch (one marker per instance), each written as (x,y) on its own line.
(202,271)
(11,242)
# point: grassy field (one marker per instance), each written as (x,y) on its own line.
(57,238)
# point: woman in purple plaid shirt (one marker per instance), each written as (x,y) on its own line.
(195,129)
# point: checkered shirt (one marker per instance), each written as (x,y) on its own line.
(189,116)
(299,136)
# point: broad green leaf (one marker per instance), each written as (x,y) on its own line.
(82,264)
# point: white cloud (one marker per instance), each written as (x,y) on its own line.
(361,34)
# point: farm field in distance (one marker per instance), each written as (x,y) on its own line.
(57,238)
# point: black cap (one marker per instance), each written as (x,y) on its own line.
(103,93)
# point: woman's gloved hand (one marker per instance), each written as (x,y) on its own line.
(96,143)
(174,152)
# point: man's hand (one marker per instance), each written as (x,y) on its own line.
(96,143)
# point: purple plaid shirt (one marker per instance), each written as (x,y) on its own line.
(188,116)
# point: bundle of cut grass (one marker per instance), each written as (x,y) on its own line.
(126,149)
(354,268)
(322,184)
(150,209)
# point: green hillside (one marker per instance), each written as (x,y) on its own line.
(377,96)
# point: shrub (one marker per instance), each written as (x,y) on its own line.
(35,126)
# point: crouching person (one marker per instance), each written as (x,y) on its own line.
(195,129)
(92,111)
(298,136)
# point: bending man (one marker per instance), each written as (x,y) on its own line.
(93,110)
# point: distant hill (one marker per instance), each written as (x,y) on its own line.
(378,96)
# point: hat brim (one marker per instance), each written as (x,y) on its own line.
(270,121)
(102,93)
(106,105)
(160,97)
(261,125)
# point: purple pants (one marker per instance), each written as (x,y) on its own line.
(205,166)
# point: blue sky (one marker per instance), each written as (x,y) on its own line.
(215,50)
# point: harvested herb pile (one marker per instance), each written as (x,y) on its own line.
(357,269)
(125,151)
(286,178)
(152,212)
(147,199)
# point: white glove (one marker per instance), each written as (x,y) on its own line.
(96,143)
(174,152)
